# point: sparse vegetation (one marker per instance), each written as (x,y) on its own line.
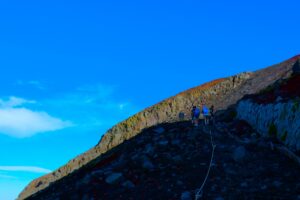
(266,90)
(272,130)
(284,136)
(232,114)
(283,114)
(296,105)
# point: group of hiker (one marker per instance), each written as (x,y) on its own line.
(206,113)
(202,112)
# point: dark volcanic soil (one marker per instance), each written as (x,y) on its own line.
(170,161)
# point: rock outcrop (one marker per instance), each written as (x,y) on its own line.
(280,119)
(275,111)
(222,93)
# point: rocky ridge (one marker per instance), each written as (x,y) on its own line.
(222,93)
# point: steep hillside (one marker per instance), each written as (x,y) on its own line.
(222,93)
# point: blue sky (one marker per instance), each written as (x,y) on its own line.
(72,69)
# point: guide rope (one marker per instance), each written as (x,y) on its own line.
(199,192)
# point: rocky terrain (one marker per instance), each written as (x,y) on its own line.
(170,161)
(153,156)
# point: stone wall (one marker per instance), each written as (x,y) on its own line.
(279,119)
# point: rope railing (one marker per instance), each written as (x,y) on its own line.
(199,192)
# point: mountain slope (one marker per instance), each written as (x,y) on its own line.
(222,93)
(170,161)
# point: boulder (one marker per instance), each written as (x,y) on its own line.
(175,142)
(113,178)
(277,184)
(186,196)
(128,184)
(149,149)
(147,164)
(163,142)
(239,154)
(159,130)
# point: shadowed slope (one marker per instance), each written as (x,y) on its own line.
(168,160)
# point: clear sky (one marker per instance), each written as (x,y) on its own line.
(72,69)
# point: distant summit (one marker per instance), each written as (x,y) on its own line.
(152,153)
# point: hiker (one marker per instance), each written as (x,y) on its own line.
(181,116)
(195,116)
(212,114)
(205,112)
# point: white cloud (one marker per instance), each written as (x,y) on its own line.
(14,102)
(25,169)
(22,122)
(89,107)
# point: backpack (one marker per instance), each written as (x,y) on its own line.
(205,110)
(197,111)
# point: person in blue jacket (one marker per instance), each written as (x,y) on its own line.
(205,112)
(195,116)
